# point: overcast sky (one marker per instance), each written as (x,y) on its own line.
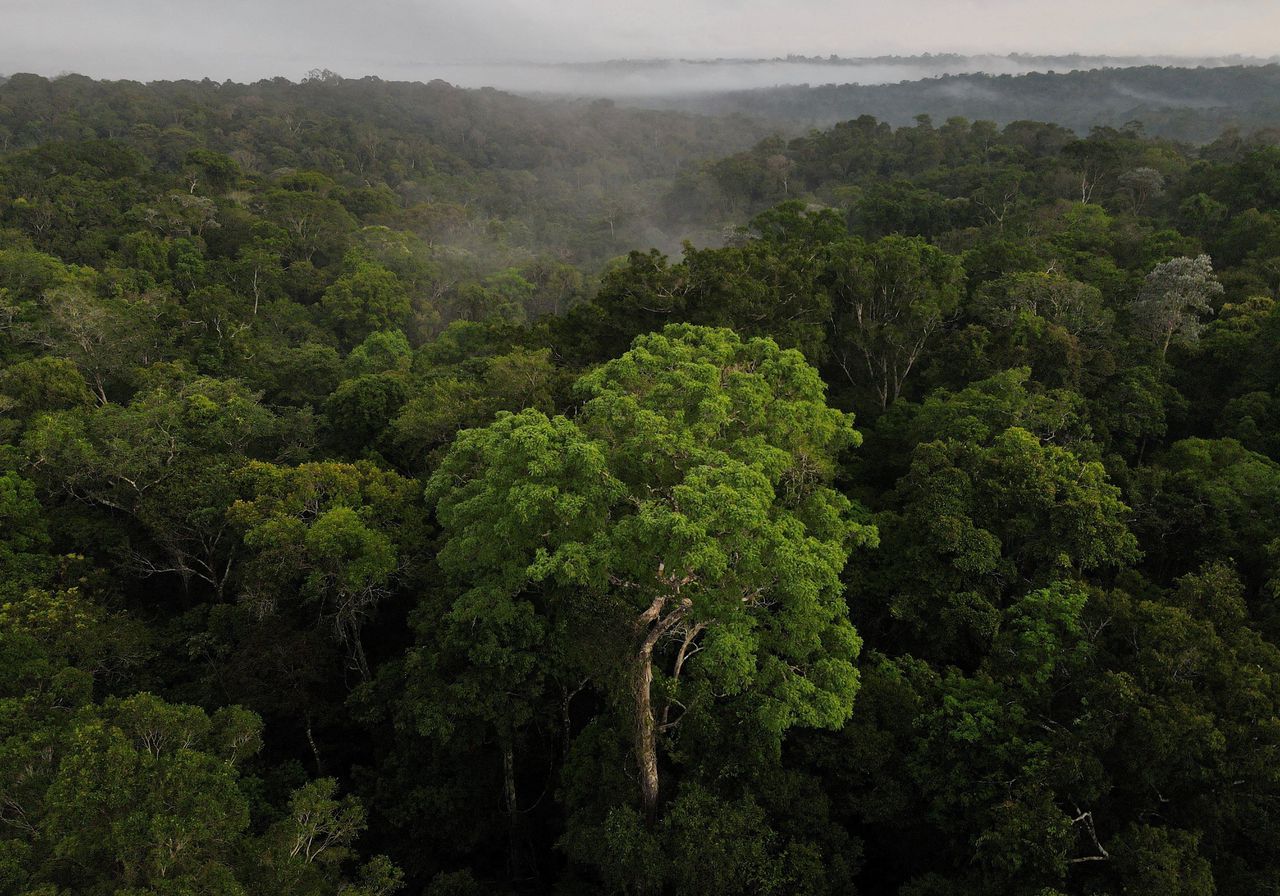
(246,39)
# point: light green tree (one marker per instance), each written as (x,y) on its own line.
(679,537)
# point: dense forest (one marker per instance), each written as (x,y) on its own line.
(499,178)
(373,521)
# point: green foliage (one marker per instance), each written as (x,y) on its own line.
(890,298)
(325,539)
(140,795)
(1208,499)
(686,500)
(359,496)
(365,299)
(971,519)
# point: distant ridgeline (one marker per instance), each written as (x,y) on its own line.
(1193,104)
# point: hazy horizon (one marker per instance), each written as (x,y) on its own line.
(639,79)
(420,39)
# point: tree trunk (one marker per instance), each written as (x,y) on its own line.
(650,626)
(315,751)
(646,733)
(518,866)
(357,654)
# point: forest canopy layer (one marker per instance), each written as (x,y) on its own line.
(379,512)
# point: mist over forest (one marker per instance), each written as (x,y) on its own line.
(705,473)
(1192,104)
(647,78)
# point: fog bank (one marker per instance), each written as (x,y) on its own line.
(641,78)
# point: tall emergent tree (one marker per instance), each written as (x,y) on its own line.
(1174,297)
(890,298)
(679,538)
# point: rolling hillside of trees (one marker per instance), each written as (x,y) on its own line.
(374,519)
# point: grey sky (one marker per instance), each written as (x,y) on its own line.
(245,39)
